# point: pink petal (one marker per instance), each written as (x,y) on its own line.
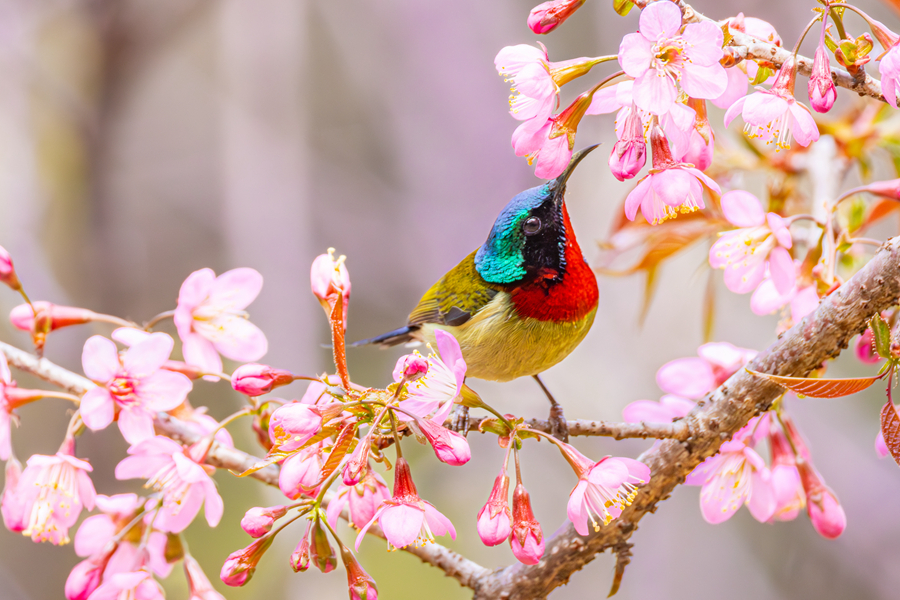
(196,288)
(766,299)
(129,336)
(705,180)
(605,101)
(646,410)
(575,508)
(689,377)
(201,353)
(511,59)
(148,356)
(214,507)
(636,468)
(437,522)
(779,229)
(635,197)
(744,275)
(93,534)
(236,288)
(530,135)
(804,126)
(677,405)
(718,503)
(97,408)
(635,54)
(554,156)
(781,269)
(5,375)
(672,185)
(654,93)
(401,524)
(880,447)
(660,20)
(762,497)
(141,467)
(243,341)
(705,82)
(164,390)
(735,89)
(136,424)
(761,108)
(742,209)
(100,359)
(704,43)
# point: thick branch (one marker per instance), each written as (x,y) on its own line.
(620,431)
(453,564)
(818,337)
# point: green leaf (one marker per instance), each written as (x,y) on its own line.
(762,75)
(820,388)
(890,429)
(882,334)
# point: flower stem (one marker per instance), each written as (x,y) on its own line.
(112,319)
(160,317)
(396,435)
(803,36)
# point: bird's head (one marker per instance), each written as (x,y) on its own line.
(530,233)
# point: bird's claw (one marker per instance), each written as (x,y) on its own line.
(559,427)
(459,419)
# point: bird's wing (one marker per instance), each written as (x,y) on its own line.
(453,300)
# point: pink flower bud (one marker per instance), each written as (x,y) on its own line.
(361,584)
(22,317)
(240,565)
(527,540)
(7,271)
(889,189)
(494,518)
(300,556)
(255,380)
(449,446)
(329,277)
(822,506)
(198,583)
(321,553)
(258,521)
(822,92)
(294,424)
(630,152)
(357,465)
(545,17)
(410,368)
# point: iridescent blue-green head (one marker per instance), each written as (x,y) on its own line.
(530,232)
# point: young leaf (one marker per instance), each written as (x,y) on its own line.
(820,388)
(338,451)
(337,340)
(882,334)
(890,429)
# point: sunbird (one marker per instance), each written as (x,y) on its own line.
(521,302)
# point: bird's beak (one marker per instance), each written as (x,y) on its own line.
(558,185)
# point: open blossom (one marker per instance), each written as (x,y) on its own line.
(774,115)
(138,585)
(211,320)
(436,391)
(526,539)
(11,397)
(604,487)
(659,58)
(889,68)
(670,187)
(362,499)
(494,518)
(739,76)
(52,491)
(185,484)
(12,505)
(822,92)
(405,518)
(802,299)
(761,242)
(136,384)
(737,475)
(696,377)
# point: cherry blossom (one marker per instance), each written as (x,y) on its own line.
(258,521)
(761,242)
(740,75)
(659,58)
(8,271)
(328,278)
(889,68)
(211,320)
(668,408)
(12,504)
(11,397)
(802,299)
(362,499)
(53,316)
(696,377)
(822,93)
(135,384)
(405,518)
(241,564)
(526,539)
(255,380)
(138,585)
(495,518)
(545,17)
(301,471)
(436,391)
(294,424)
(629,152)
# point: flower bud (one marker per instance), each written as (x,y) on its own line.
(865,348)
(49,315)
(258,521)
(449,446)
(7,271)
(822,92)
(822,506)
(240,565)
(410,368)
(357,465)
(329,278)
(629,153)
(300,556)
(294,424)
(545,17)
(198,583)
(300,472)
(527,540)
(321,553)
(255,380)
(361,584)
(494,518)
(86,576)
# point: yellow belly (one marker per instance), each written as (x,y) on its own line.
(498,345)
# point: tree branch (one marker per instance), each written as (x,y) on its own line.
(818,337)
(620,431)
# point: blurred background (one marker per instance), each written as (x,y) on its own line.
(141,140)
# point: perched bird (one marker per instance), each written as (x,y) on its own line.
(521,302)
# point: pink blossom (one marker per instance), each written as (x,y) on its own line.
(437,390)
(735,476)
(12,505)
(53,490)
(405,518)
(773,115)
(184,484)
(822,92)
(824,510)
(8,272)
(198,583)
(889,68)
(294,424)
(659,58)
(363,500)
(361,584)
(629,153)
(802,299)
(138,585)
(52,315)
(670,187)
(86,577)
(301,471)
(696,377)
(255,380)
(241,564)
(668,408)
(410,367)
(762,241)
(604,488)
(211,320)
(11,397)
(258,521)
(526,539)
(449,446)
(880,447)
(738,75)
(328,278)
(790,498)
(545,17)
(865,352)
(135,384)
(494,518)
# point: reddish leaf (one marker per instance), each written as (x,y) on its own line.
(890,429)
(338,451)
(821,388)
(337,340)
(880,210)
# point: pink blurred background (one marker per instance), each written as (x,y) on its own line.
(141,140)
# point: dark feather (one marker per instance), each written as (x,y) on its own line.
(391,338)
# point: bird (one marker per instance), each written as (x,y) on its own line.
(522,301)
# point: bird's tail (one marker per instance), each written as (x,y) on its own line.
(391,338)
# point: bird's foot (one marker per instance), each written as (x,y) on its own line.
(559,427)
(459,419)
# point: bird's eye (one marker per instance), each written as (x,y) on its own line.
(532,225)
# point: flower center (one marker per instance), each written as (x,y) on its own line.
(668,57)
